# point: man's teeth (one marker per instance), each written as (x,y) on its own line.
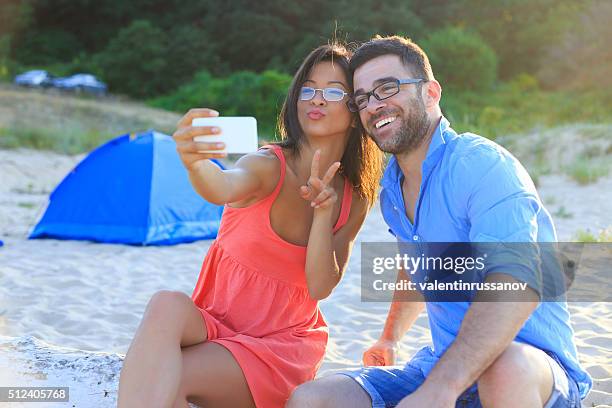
(384,122)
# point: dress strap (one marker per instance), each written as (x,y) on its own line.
(278,151)
(347,195)
(345,207)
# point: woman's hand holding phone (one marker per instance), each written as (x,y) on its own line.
(197,140)
(189,150)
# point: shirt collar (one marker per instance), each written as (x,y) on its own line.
(437,145)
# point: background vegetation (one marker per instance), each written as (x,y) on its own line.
(505,66)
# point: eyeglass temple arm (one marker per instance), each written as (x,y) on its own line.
(410,81)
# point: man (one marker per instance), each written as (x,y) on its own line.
(443,187)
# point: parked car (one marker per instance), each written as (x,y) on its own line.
(81,82)
(36,77)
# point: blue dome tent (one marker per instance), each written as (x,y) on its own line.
(131,190)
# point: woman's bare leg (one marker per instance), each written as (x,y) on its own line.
(212,378)
(152,368)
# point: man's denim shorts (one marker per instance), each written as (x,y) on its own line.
(387,386)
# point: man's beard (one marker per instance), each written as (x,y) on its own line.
(412,132)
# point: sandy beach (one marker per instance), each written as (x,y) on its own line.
(68,309)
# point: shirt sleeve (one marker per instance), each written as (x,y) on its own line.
(502,207)
(389,213)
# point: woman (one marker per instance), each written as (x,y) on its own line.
(252,330)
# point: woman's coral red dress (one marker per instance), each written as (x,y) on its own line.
(254,300)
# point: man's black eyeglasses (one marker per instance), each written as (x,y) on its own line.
(380,92)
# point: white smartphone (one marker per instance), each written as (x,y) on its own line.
(239,133)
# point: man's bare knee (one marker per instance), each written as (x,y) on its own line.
(511,366)
(337,391)
(518,368)
(309,395)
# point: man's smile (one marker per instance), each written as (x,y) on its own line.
(384,121)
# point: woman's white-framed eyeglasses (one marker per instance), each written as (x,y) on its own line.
(329,94)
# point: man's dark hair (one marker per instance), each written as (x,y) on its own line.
(411,55)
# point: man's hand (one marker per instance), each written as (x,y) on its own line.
(318,191)
(382,353)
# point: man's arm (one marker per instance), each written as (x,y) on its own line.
(500,202)
(404,311)
(486,331)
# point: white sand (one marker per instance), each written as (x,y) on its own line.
(90,297)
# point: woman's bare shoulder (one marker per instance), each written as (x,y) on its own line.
(263,163)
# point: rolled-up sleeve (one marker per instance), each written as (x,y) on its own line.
(502,210)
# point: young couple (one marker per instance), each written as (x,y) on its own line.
(252,335)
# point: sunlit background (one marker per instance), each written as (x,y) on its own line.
(534,75)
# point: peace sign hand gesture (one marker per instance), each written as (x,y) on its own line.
(318,191)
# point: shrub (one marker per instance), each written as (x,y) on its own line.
(582,58)
(605,235)
(241,94)
(45,47)
(134,61)
(585,170)
(461,60)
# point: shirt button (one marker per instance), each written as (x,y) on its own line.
(415,237)
(426,278)
(395,208)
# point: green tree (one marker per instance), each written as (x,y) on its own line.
(190,49)
(272,88)
(46,47)
(461,60)
(14,17)
(242,93)
(362,19)
(519,31)
(134,61)
(582,57)
(253,40)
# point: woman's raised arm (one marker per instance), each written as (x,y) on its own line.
(211,182)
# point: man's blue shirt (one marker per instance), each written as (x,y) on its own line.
(473,190)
